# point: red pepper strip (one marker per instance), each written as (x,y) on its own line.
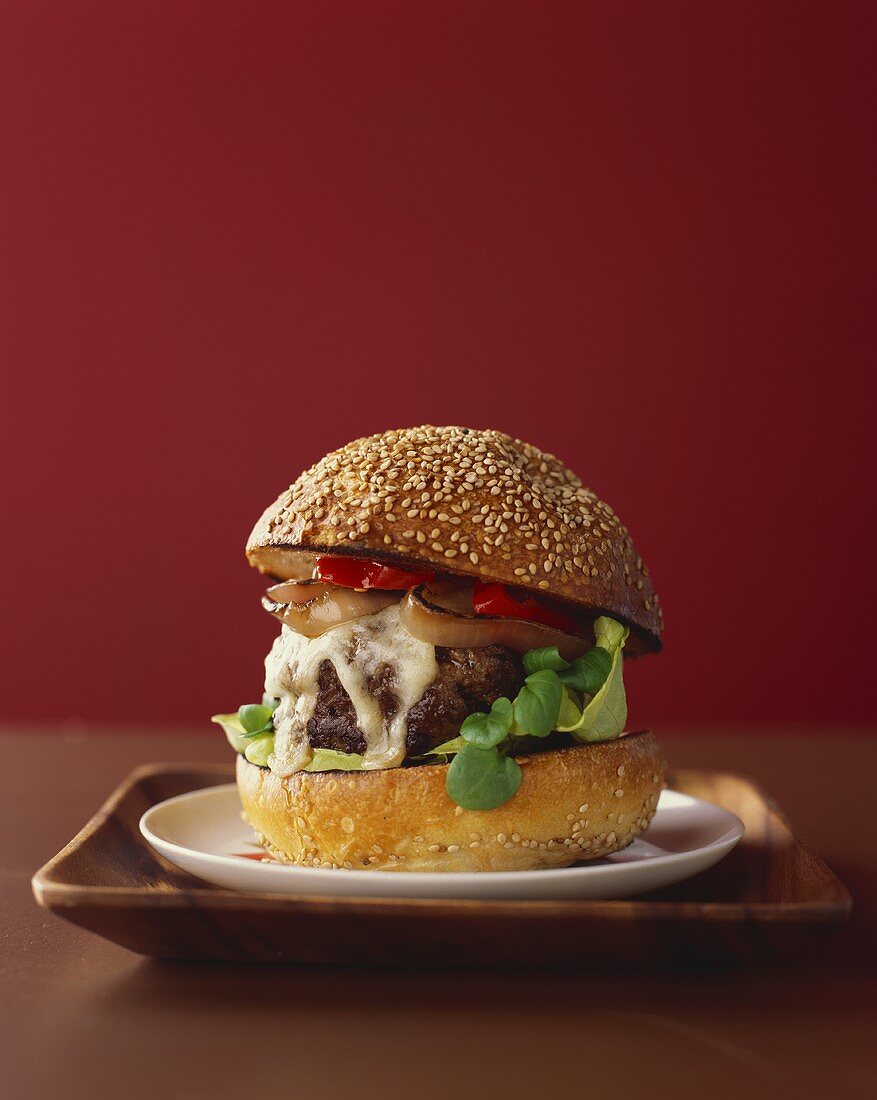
(497,599)
(356,573)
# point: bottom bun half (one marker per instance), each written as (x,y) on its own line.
(575,803)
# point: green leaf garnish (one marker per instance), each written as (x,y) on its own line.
(446,748)
(487,730)
(538,703)
(584,697)
(270,702)
(259,749)
(252,722)
(329,760)
(569,709)
(605,715)
(256,719)
(588,672)
(482,779)
(547,657)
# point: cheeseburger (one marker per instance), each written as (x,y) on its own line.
(446,691)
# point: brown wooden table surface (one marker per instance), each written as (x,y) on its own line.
(82,1017)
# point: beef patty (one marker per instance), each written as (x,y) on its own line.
(467,680)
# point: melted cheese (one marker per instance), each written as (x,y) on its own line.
(359,650)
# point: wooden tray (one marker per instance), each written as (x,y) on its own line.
(766,899)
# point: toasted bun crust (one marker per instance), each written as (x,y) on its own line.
(465,501)
(573,804)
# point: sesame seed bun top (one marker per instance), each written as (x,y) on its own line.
(468,501)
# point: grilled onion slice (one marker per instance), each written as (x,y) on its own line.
(430,622)
(326,608)
(297,591)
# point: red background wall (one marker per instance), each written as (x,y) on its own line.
(235,236)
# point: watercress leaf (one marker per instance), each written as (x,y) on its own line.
(474,728)
(255,719)
(482,779)
(547,657)
(487,730)
(538,703)
(501,714)
(588,672)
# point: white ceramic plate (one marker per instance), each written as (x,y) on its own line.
(202,832)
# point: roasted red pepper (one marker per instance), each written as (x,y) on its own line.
(356,573)
(497,599)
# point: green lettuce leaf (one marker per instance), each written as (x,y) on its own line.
(259,749)
(328,760)
(569,709)
(233,730)
(605,715)
(446,748)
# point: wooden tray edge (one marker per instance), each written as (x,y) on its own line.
(61,897)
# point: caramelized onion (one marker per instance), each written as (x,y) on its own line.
(329,608)
(441,626)
(298,591)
